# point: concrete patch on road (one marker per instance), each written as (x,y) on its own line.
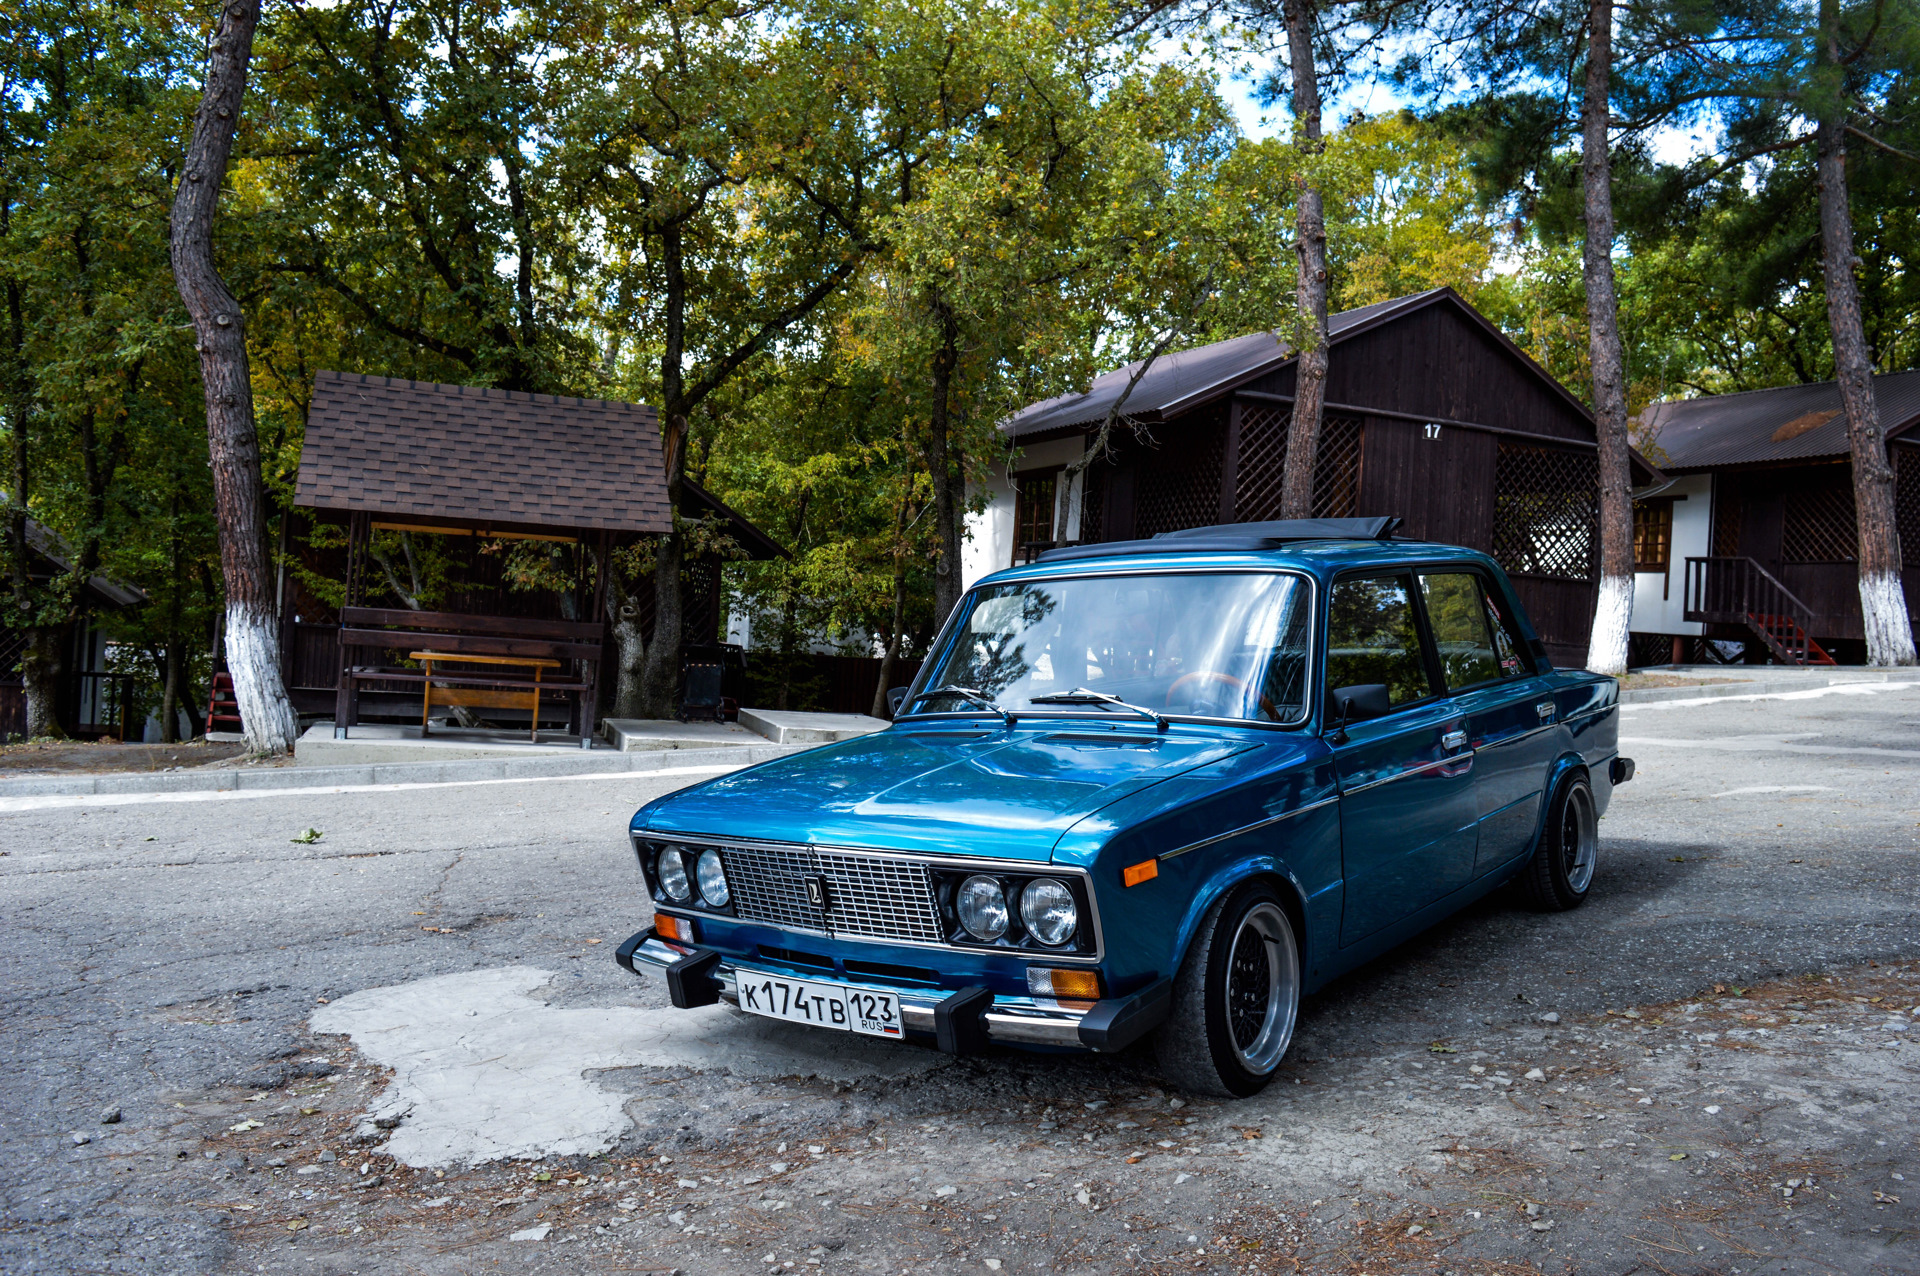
(485,1071)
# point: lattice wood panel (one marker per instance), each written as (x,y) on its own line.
(1546,511)
(1906,502)
(1263,463)
(1093,501)
(1336,468)
(1179,482)
(1819,526)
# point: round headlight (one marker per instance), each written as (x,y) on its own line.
(672,867)
(982,906)
(1047,907)
(712,878)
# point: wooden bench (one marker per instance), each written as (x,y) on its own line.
(502,662)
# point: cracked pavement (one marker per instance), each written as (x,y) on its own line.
(1710,1068)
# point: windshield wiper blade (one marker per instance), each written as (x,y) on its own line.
(980,698)
(1081,695)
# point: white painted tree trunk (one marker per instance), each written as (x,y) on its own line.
(1612,619)
(253,658)
(1883,605)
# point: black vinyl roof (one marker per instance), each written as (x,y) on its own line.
(1787,423)
(1241,537)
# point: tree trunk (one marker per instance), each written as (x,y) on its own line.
(630,647)
(253,638)
(943,460)
(1613,613)
(1883,603)
(881,709)
(42,662)
(1310,337)
(170,696)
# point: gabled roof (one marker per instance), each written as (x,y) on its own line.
(1185,380)
(474,457)
(56,558)
(1786,423)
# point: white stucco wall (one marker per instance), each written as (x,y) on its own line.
(1658,600)
(988,546)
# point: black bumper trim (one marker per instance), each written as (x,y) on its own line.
(690,980)
(959,1023)
(1117,1022)
(624,953)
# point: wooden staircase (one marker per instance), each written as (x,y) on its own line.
(1739,591)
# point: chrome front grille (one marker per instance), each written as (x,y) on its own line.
(868,896)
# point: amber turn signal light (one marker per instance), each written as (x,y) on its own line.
(1078,985)
(1144,871)
(678,929)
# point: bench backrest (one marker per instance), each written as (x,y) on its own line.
(397,629)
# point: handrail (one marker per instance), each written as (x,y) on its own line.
(1740,589)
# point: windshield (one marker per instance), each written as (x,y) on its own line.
(1206,645)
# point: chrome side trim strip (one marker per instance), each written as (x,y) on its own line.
(1247,828)
(1422,769)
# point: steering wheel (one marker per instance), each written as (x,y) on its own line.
(1214,675)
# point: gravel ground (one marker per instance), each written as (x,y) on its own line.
(1710,1068)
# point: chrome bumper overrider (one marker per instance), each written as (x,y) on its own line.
(959,1021)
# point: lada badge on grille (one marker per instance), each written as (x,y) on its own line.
(817,892)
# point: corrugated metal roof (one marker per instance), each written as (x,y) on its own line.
(1786,423)
(1181,380)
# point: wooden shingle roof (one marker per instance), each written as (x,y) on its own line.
(499,458)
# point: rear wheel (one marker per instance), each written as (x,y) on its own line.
(1235,999)
(1561,871)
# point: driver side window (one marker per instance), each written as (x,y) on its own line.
(1372,636)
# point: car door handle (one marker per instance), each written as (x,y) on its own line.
(1545,710)
(1453,740)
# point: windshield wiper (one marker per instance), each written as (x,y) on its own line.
(980,698)
(1081,695)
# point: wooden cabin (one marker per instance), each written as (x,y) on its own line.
(1432,414)
(1754,541)
(90,699)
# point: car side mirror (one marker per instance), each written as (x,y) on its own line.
(1357,704)
(896,698)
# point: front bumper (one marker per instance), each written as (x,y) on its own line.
(960,1022)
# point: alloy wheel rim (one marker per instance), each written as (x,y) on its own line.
(1262,979)
(1579,841)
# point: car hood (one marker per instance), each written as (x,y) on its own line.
(965,792)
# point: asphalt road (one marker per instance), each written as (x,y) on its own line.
(1724,1085)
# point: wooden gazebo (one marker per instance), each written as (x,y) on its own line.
(486,467)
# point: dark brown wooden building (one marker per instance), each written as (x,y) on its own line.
(1755,539)
(88,697)
(1432,414)
(480,470)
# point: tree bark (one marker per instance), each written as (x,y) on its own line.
(1613,612)
(1883,603)
(1310,225)
(253,638)
(630,646)
(892,651)
(943,460)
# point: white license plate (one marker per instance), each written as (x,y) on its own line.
(823,1005)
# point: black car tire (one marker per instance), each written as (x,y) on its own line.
(1560,874)
(1232,1020)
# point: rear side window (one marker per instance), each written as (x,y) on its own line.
(1474,643)
(1372,636)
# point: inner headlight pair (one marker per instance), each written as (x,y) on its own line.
(1046,909)
(709,876)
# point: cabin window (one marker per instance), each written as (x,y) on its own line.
(1652,536)
(1819,525)
(1545,511)
(1033,513)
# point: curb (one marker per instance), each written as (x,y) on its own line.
(392,772)
(1770,687)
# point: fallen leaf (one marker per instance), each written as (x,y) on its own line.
(596,941)
(309,837)
(1440,1047)
(296,1224)
(246,1125)
(1678,1156)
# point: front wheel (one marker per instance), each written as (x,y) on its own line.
(1561,871)
(1235,999)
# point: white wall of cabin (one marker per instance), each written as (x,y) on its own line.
(988,544)
(1659,598)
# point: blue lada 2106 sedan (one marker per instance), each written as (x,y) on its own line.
(1164,786)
